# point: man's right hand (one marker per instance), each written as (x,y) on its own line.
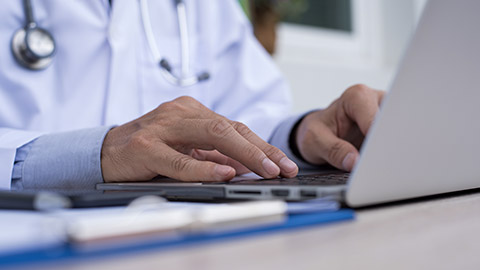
(183,139)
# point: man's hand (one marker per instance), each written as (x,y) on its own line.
(183,139)
(335,134)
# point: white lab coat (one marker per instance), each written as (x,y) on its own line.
(104,73)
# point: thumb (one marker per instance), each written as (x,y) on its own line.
(340,153)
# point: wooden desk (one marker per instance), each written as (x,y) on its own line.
(441,233)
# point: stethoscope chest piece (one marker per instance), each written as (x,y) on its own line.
(33,47)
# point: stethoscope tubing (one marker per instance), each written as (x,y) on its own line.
(184,40)
(185,78)
(28,10)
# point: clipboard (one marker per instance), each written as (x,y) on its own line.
(66,252)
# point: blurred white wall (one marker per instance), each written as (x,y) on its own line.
(320,64)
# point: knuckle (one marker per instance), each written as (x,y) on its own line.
(219,128)
(360,87)
(358,90)
(172,109)
(186,100)
(272,151)
(169,106)
(139,141)
(183,105)
(180,163)
(252,153)
(182,99)
(380,93)
(334,153)
(241,128)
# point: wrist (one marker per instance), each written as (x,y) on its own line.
(293,142)
(107,158)
(301,134)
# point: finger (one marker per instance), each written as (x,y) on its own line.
(287,167)
(381,95)
(220,158)
(361,104)
(219,134)
(328,147)
(179,166)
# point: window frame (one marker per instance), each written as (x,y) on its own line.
(313,45)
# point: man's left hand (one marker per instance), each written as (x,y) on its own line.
(335,134)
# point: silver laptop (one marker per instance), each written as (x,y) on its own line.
(425,140)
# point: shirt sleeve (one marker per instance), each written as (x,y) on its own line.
(10,140)
(62,161)
(281,139)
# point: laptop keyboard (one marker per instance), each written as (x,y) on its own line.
(327,179)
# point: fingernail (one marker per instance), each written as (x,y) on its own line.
(348,162)
(288,165)
(270,167)
(222,171)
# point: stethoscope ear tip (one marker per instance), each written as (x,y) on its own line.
(203,76)
(165,64)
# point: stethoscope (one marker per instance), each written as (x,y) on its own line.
(34,47)
(185,79)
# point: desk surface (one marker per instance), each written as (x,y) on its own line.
(441,233)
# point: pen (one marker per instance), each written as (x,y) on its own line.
(42,201)
(96,199)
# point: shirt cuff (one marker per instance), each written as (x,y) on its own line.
(10,140)
(67,161)
(280,139)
